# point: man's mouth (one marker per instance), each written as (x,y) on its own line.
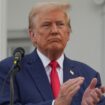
(54,40)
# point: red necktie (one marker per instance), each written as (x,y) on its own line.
(55,83)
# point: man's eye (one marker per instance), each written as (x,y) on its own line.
(46,25)
(60,24)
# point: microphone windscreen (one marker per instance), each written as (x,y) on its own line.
(19,53)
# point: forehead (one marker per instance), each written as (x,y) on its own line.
(53,15)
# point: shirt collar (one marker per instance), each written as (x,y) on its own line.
(45,60)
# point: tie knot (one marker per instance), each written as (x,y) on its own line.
(53,64)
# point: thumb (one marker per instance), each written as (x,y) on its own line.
(93,83)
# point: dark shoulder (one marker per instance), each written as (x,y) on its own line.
(6,63)
(82,68)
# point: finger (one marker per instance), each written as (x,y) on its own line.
(93,83)
(74,86)
(67,88)
(71,93)
(95,95)
(102,89)
(84,103)
(89,101)
(70,82)
(70,88)
(98,92)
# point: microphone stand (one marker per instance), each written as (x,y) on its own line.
(14,70)
(18,55)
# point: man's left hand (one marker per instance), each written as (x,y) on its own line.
(92,95)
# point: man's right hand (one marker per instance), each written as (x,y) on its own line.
(68,90)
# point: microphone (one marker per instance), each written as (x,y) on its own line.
(18,54)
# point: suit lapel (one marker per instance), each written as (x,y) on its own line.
(68,70)
(37,71)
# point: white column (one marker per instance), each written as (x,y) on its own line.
(3,29)
(104,40)
(103,44)
(103,71)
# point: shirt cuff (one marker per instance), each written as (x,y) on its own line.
(53,102)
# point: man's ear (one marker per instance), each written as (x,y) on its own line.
(31,33)
(32,36)
(69,32)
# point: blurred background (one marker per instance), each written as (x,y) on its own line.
(87,41)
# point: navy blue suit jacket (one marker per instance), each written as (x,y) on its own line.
(31,83)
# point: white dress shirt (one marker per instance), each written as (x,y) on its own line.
(46,61)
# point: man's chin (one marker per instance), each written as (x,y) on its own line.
(55,48)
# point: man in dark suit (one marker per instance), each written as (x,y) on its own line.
(47,76)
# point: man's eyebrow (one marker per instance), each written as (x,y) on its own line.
(49,21)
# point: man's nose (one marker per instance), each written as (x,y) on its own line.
(54,28)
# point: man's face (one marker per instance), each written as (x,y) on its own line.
(50,31)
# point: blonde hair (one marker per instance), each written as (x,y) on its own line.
(49,6)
